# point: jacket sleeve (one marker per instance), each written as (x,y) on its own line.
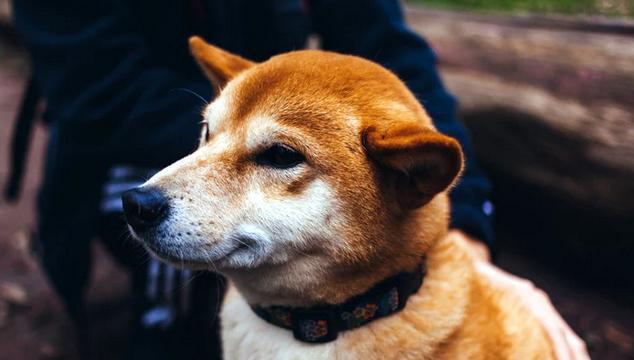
(375,29)
(105,89)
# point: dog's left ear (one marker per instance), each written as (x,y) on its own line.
(219,65)
(421,161)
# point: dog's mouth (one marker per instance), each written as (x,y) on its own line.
(244,247)
(218,256)
(163,254)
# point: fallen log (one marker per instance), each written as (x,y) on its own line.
(549,102)
(583,153)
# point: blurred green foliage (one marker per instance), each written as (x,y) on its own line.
(586,7)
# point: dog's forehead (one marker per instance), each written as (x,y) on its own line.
(324,95)
(252,129)
(256,117)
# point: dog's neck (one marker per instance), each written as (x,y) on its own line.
(319,324)
(282,287)
(289,285)
(424,323)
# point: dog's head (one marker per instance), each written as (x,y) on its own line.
(311,165)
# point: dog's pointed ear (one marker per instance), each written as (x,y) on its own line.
(420,161)
(219,65)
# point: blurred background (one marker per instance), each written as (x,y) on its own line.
(546,88)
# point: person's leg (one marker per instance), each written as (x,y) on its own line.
(66,262)
(66,219)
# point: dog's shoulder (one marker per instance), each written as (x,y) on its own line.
(496,322)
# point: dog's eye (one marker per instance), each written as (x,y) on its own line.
(280,156)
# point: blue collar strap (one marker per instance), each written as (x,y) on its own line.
(321,324)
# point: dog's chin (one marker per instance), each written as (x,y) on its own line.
(179,261)
(216,258)
(244,249)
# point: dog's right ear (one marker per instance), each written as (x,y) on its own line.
(423,162)
(219,65)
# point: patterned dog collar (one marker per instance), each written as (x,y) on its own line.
(321,324)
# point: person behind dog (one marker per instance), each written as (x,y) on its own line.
(123,99)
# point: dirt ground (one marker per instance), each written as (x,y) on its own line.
(33,325)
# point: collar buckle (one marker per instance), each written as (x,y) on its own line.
(314,326)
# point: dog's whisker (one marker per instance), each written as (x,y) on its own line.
(248,246)
(191,278)
(192,92)
(301,252)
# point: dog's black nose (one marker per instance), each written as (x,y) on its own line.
(144,207)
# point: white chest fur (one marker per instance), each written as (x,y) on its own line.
(246,336)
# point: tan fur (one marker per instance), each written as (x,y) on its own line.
(369,201)
(455,315)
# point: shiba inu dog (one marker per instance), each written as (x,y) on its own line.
(320,190)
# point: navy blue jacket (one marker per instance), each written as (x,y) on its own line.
(110,71)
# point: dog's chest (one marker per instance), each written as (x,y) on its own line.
(246,336)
